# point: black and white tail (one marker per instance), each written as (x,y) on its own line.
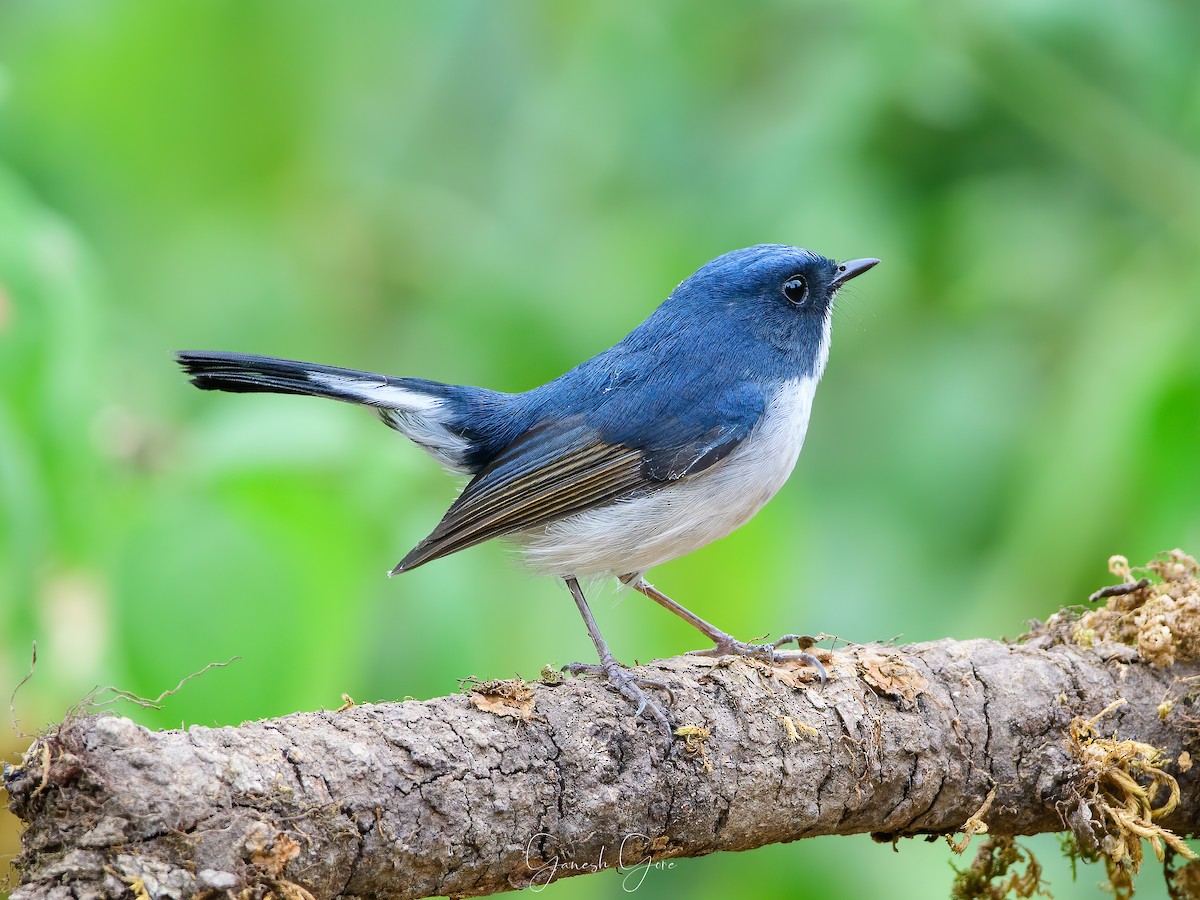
(424,411)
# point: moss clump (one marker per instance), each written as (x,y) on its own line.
(1123,789)
(1158,614)
(995,874)
(694,737)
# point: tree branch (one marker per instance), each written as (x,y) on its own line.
(474,794)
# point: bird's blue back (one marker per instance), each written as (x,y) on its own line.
(713,351)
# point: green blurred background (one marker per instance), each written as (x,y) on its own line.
(489,193)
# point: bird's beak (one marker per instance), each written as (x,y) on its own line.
(852,269)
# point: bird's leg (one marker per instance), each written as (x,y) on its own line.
(726,644)
(629,685)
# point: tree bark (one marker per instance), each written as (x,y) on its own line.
(478,793)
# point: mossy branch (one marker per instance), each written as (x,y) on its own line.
(508,784)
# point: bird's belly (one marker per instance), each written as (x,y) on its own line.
(632,535)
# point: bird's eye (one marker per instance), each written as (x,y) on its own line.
(796,289)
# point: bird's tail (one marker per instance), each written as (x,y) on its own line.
(427,412)
(245,373)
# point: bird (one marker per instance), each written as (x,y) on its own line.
(670,439)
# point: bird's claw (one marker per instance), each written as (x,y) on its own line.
(768,653)
(629,686)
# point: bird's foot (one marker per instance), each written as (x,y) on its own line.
(629,686)
(727,645)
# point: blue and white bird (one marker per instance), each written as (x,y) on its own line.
(659,445)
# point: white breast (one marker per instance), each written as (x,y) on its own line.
(631,536)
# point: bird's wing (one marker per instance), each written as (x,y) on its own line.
(564,466)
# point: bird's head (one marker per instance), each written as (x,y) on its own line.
(772,293)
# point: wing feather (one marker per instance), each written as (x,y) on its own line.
(564,466)
(543,477)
